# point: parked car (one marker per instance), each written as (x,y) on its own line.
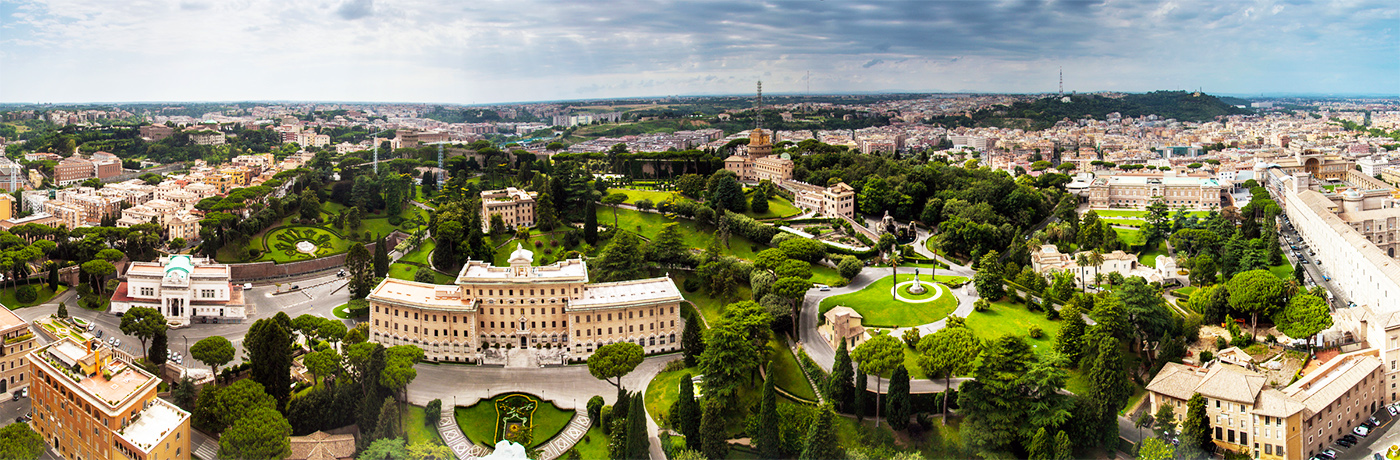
(1328,454)
(1393,410)
(1351,438)
(99,333)
(1345,443)
(1362,431)
(92,326)
(20,394)
(22,418)
(295,287)
(823,287)
(1372,421)
(118,343)
(1377,456)
(247,286)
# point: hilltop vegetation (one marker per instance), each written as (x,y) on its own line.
(1045,112)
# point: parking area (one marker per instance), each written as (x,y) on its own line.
(1378,439)
(9,408)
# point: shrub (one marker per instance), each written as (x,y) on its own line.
(981,305)
(26,294)
(539,244)
(691,284)
(1221,343)
(395,220)
(1207,356)
(357,307)
(911,337)
(1035,332)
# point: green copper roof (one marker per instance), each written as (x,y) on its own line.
(180,263)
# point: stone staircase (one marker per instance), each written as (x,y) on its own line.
(207,449)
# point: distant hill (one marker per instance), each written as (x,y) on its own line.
(1045,112)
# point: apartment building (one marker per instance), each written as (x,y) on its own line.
(207,137)
(73,169)
(156,133)
(7,206)
(835,201)
(524,306)
(68,214)
(91,403)
(772,168)
(516,207)
(14,351)
(1247,414)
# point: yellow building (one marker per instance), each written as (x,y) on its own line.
(14,351)
(551,307)
(90,406)
(7,206)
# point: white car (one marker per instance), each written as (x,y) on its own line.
(823,287)
(1394,411)
(247,286)
(1361,431)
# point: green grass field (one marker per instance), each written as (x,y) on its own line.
(407,272)
(479,420)
(420,253)
(710,307)
(1006,318)
(1143,214)
(633,196)
(664,389)
(1129,237)
(1284,271)
(7,296)
(1125,222)
(778,207)
(416,428)
(1149,257)
(880,310)
(543,255)
(593,445)
(787,372)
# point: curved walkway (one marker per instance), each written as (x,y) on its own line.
(452,435)
(578,427)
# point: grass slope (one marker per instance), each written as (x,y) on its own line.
(880,310)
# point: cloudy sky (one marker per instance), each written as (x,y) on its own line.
(473,51)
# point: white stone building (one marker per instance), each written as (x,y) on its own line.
(184,289)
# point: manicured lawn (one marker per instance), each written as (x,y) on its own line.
(664,390)
(340,311)
(7,296)
(1149,257)
(710,307)
(416,428)
(593,445)
(1125,222)
(1283,271)
(406,272)
(1186,291)
(1129,237)
(694,235)
(1006,318)
(880,310)
(787,372)
(634,195)
(379,225)
(1143,214)
(544,254)
(479,421)
(822,274)
(778,207)
(420,253)
(279,245)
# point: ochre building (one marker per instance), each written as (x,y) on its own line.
(519,306)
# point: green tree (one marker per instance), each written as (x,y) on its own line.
(687,413)
(261,433)
(729,360)
(613,361)
(381,258)
(1144,419)
(692,342)
(157,353)
(1012,394)
(1305,316)
(143,323)
(219,407)
(385,449)
(432,412)
(62,310)
(849,267)
(668,248)
(1164,422)
(638,443)
(322,363)
(713,442)
(758,203)
(268,347)
(821,443)
(1195,430)
(621,260)
(97,270)
(900,407)
(988,278)
(1064,448)
(310,206)
(951,351)
(767,436)
(213,351)
(840,387)
(361,267)
(1109,388)
(861,398)
(546,218)
(877,356)
(184,394)
(1257,292)
(354,216)
(1156,449)
(1070,341)
(1041,446)
(19,441)
(590,224)
(613,200)
(1204,271)
(53,277)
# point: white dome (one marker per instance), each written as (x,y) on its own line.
(521,254)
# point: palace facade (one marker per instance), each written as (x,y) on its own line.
(523,306)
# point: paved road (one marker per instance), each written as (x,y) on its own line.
(263,301)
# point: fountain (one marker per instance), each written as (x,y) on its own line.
(306,247)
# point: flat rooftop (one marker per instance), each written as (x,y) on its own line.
(154,424)
(415,293)
(564,270)
(9,319)
(628,292)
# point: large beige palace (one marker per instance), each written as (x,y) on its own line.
(550,306)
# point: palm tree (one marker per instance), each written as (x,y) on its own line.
(1096,259)
(1082,261)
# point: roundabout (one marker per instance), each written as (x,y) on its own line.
(889,303)
(924,291)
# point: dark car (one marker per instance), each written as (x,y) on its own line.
(1350,437)
(1345,443)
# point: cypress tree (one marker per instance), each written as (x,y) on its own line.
(759,201)
(53,277)
(545,216)
(1108,388)
(1195,430)
(821,441)
(381,258)
(899,406)
(713,444)
(841,386)
(692,343)
(1069,343)
(638,444)
(157,353)
(1064,449)
(767,436)
(1041,447)
(590,224)
(860,399)
(688,413)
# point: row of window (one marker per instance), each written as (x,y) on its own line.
(511,312)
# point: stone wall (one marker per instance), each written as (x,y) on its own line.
(260,271)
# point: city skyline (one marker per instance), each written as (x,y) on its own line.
(64,51)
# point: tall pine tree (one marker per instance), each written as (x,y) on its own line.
(821,441)
(687,413)
(1064,448)
(767,436)
(545,216)
(1108,389)
(692,342)
(861,399)
(638,443)
(713,442)
(381,258)
(899,405)
(841,386)
(1041,447)
(1195,430)
(590,224)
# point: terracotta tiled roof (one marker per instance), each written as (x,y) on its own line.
(1176,380)
(322,446)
